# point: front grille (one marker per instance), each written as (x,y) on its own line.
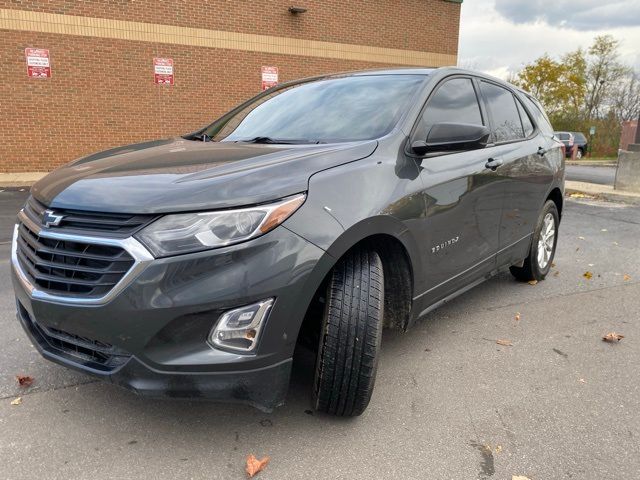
(69,267)
(92,353)
(83,222)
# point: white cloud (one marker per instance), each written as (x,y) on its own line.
(578,14)
(495,44)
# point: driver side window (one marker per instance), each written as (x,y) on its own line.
(454,101)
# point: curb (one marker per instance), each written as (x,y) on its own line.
(605,196)
(592,163)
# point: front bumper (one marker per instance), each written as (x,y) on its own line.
(152,336)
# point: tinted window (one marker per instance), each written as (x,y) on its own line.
(579,137)
(504,112)
(526,120)
(538,114)
(454,101)
(328,110)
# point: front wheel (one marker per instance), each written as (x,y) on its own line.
(351,334)
(543,246)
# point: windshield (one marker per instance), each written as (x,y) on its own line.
(322,111)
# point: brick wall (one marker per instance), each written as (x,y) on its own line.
(102,93)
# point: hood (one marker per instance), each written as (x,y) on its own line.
(175,175)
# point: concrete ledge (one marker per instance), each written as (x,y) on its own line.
(594,163)
(628,172)
(25,179)
(601,192)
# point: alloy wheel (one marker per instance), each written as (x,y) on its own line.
(546,241)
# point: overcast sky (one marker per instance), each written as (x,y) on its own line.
(499,36)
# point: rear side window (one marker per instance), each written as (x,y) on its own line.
(538,114)
(526,120)
(563,136)
(454,101)
(504,112)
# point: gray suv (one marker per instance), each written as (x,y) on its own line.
(323,209)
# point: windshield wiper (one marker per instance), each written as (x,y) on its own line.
(269,140)
(203,137)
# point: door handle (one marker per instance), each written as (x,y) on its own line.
(493,163)
(542,152)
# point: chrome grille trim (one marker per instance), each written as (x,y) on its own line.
(135,249)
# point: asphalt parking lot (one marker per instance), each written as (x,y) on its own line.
(449,402)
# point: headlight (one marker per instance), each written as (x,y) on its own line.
(190,232)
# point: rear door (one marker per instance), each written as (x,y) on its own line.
(463,197)
(525,172)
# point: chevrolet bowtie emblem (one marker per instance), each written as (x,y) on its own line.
(50,219)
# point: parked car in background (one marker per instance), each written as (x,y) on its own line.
(320,211)
(569,139)
(582,143)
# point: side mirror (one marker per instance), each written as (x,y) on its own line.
(447,137)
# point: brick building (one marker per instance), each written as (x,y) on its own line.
(102,92)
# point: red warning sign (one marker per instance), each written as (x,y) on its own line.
(38,65)
(163,71)
(269,77)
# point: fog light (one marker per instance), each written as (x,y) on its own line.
(239,329)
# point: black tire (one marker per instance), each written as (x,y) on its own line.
(351,334)
(531,269)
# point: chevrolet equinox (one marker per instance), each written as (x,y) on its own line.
(324,208)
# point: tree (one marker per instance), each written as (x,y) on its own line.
(603,72)
(625,98)
(560,86)
(584,89)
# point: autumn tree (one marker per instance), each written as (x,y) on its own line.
(560,86)
(586,88)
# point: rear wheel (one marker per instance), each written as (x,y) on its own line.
(543,246)
(351,333)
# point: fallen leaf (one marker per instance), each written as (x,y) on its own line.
(612,337)
(626,277)
(580,195)
(504,343)
(582,380)
(16,401)
(556,273)
(532,282)
(254,465)
(498,448)
(553,264)
(519,477)
(517,315)
(587,275)
(24,380)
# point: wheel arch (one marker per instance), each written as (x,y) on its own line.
(555,195)
(399,253)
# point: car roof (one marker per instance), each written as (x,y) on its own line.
(438,73)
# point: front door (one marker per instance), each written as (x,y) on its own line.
(463,198)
